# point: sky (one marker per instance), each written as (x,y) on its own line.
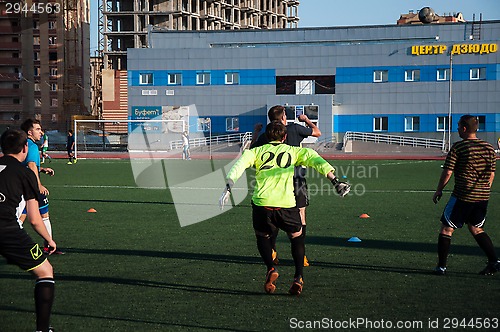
(331,13)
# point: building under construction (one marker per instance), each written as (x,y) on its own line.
(44,61)
(124,24)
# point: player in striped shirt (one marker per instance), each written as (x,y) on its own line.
(273,200)
(473,163)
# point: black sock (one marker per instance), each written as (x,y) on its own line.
(265,250)
(298,249)
(485,243)
(44,297)
(273,239)
(304,235)
(444,242)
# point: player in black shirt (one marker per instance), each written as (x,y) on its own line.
(19,188)
(70,147)
(295,135)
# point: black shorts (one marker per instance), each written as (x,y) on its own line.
(267,219)
(457,213)
(300,191)
(19,249)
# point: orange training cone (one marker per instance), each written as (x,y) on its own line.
(91,210)
(364,216)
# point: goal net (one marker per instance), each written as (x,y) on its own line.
(128,135)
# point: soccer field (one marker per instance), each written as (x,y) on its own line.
(131,266)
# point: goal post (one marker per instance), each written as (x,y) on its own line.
(127,135)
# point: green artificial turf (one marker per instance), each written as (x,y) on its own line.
(131,266)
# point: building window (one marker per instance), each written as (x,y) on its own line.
(442,123)
(443,74)
(304,87)
(53,102)
(38,102)
(204,124)
(37,86)
(149,92)
(312,112)
(412,123)
(36,24)
(380,76)
(36,40)
(52,24)
(146,78)
(477,74)
(174,79)
(52,40)
(203,78)
(380,123)
(52,56)
(36,71)
(53,86)
(482,122)
(232,78)
(232,124)
(53,71)
(36,56)
(287,85)
(412,75)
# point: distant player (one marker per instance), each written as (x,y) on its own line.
(186,154)
(273,200)
(295,135)
(70,147)
(19,188)
(45,147)
(473,162)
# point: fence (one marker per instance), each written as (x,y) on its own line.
(394,139)
(213,140)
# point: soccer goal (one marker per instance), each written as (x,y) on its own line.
(127,135)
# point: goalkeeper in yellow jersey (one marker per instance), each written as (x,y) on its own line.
(273,200)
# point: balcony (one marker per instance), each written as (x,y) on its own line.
(9,77)
(9,30)
(11,61)
(10,46)
(10,107)
(11,92)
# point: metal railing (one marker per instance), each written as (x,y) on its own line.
(204,141)
(394,139)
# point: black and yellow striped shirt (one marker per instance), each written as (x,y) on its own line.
(472,161)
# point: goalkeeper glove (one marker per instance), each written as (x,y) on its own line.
(342,188)
(224,198)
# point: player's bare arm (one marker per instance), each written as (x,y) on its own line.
(37,223)
(443,181)
(492,177)
(31,165)
(47,170)
(315,130)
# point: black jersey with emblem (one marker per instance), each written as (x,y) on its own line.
(17,183)
(295,134)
